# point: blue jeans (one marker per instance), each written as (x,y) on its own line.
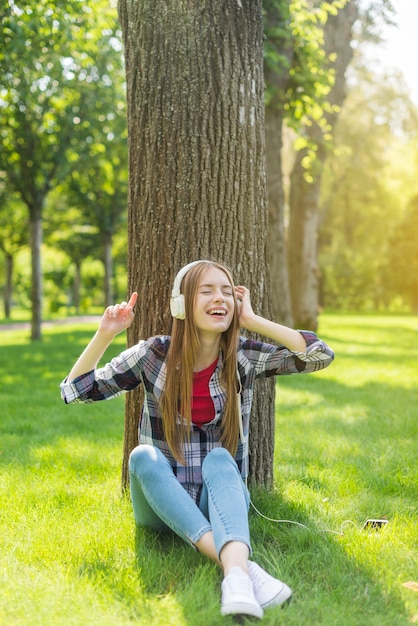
(160,502)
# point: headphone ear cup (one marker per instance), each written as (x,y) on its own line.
(177,307)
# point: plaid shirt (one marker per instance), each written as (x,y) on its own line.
(145,363)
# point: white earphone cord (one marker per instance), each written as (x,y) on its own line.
(287,521)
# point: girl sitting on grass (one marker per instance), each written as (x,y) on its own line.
(189,470)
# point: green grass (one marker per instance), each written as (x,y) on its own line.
(346,450)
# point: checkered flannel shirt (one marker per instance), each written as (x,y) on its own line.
(144,363)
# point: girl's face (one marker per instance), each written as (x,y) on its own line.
(214,302)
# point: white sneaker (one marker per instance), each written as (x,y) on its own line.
(268,591)
(238,595)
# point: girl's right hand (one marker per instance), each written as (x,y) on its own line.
(118,317)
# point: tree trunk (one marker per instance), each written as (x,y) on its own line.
(277,80)
(304,195)
(8,288)
(281,303)
(36,288)
(197,186)
(302,247)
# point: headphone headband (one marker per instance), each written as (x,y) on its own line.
(177,299)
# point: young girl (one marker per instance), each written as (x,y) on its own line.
(188,472)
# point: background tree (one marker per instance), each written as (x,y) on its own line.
(13,235)
(364,193)
(68,230)
(278,60)
(104,205)
(298,82)
(197,169)
(98,183)
(306,185)
(49,59)
(36,113)
(371,177)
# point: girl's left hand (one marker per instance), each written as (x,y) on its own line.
(245,310)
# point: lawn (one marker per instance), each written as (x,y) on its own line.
(346,450)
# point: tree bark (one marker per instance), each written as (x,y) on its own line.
(302,248)
(197,186)
(305,195)
(281,303)
(277,81)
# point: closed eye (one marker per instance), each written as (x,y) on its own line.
(208,289)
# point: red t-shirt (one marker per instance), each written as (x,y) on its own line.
(203,410)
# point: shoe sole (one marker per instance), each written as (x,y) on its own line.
(241,608)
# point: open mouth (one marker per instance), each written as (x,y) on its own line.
(217,313)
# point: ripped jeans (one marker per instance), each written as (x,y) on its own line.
(160,502)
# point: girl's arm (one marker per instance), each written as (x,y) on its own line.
(291,339)
(115,319)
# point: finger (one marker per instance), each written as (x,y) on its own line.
(112,310)
(133,299)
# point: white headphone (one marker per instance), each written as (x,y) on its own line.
(177,306)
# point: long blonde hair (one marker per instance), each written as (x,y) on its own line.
(180,361)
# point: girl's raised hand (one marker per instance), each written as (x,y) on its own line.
(245,308)
(118,317)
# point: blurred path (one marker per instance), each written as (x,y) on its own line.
(77,319)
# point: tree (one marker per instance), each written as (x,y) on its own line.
(13,235)
(98,184)
(197,167)
(104,203)
(104,208)
(35,115)
(297,85)
(49,61)
(365,188)
(305,185)
(68,230)
(360,22)
(279,55)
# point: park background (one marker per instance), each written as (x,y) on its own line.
(345,441)
(62,132)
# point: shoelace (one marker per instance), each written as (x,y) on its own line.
(257,579)
(240,583)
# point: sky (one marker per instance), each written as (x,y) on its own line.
(401,48)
